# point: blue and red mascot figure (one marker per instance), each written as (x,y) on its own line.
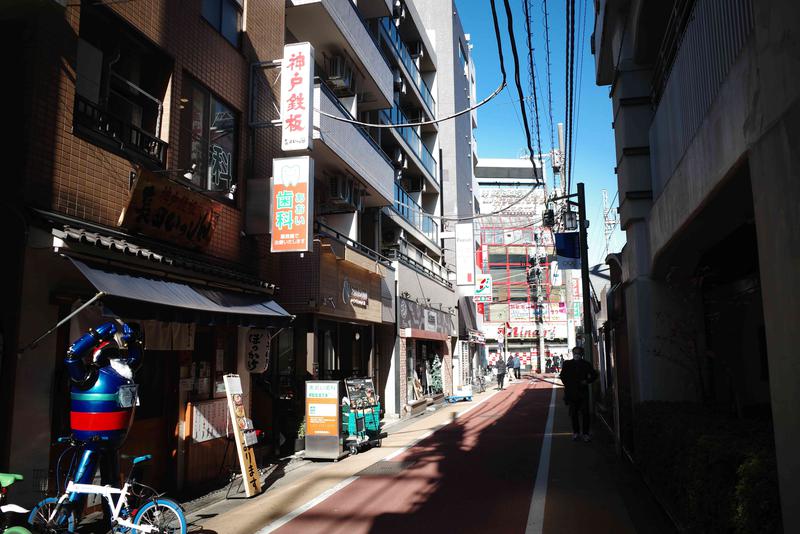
(103,397)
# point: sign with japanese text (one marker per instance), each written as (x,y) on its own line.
(483,288)
(297,96)
(292,204)
(251,477)
(568,250)
(258,342)
(322,408)
(160,208)
(465,254)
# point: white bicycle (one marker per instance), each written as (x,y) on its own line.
(145,512)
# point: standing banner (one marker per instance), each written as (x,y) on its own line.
(465,254)
(297,96)
(292,204)
(242,432)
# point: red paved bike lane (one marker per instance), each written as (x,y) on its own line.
(474,475)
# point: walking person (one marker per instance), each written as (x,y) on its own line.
(576,376)
(517,368)
(510,368)
(501,372)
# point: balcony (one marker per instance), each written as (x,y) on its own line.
(410,256)
(344,148)
(412,140)
(392,36)
(117,135)
(408,209)
(336,28)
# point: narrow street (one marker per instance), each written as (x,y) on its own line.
(470,467)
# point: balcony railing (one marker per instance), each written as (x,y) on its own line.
(411,137)
(325,230)
(393,37)
(407,208)
(413,257)
(118,134)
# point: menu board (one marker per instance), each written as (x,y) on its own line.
(209,420)
(361,392)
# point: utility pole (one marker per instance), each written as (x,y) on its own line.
(587,302)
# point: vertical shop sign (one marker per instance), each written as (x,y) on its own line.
(297,96)
(465,254)
(242,429)
(292,203)
(258,342)
(322,408)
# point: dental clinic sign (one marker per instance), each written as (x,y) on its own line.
(292,204)
(297,96)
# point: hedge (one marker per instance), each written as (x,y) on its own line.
(714,473)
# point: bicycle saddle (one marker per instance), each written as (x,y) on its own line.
(6,479)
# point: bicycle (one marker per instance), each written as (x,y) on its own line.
(6,479)
(479,383)
(155,514)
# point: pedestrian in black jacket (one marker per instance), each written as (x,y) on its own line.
(501,372)
(576,376)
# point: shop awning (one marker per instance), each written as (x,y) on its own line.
(141,297)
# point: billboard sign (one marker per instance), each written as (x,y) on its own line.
(292,203)
(465,254)
(483,288)
(297,96)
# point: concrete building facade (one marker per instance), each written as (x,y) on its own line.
(706,105)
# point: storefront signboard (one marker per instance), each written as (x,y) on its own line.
(354,296)
(322,408)
(161,208)
(418,317)
(483,288)
(241,427)
(465,254)
(297,96)
(258,342)
(292,204)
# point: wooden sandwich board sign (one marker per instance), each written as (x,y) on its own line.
(251,476)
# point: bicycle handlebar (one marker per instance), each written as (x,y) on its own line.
(75,442)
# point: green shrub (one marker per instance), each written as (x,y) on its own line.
(715,473)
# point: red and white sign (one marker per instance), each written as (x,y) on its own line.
(483,288)
(292,208)
(465,254)
(297,96)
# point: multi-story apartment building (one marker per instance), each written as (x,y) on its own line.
(706,292)
(456,92)
(533,312)
(131,166)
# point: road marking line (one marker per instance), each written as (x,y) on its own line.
(536,511)
(275,525)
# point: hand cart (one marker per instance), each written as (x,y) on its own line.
(362,416)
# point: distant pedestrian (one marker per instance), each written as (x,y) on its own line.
(576,377)
(501,372)
(517,367)
(510,368)
(549,365)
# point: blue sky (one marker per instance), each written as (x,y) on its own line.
(500,133)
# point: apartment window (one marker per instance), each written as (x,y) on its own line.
(208,140)
(226,17)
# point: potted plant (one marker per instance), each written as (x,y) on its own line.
(300,441)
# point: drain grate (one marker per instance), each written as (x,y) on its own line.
(385,469)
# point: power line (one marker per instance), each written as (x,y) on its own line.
(549,84)
(532,72)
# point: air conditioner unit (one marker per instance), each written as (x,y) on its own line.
(398,79)
(340,190)
(415,50)
(340,76)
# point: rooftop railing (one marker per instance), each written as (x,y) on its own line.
(412,212)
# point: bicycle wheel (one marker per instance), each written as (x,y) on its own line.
(164,514)
(39,518)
